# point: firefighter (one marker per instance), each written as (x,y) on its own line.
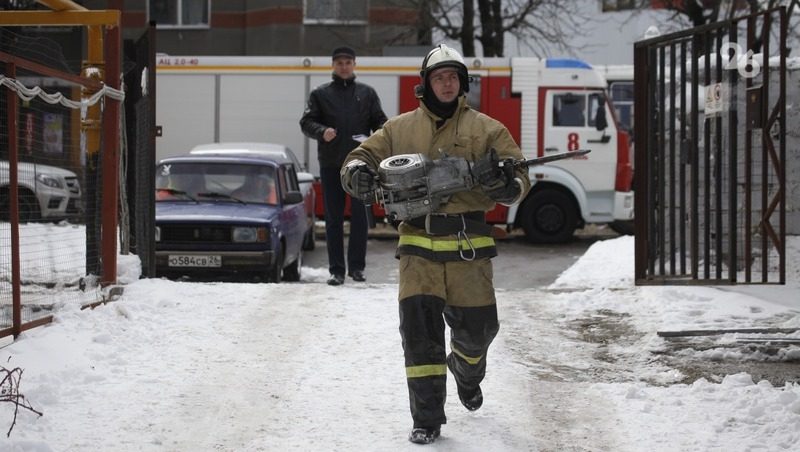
(444,257)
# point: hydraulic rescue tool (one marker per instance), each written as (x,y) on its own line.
(413,185)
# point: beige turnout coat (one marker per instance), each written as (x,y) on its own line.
(469,134)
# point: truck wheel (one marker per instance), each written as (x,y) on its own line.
(292,272)
(548,216)
(274,272)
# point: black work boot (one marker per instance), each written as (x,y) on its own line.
(472,399)
(424,435)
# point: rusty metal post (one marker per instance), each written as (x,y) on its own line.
(748,160)
(671,223)
(13,204)
(151,140)
(110,158)
(694,158)
(640,180)
(764,225)
(784,27)
(93,68)
(733,168)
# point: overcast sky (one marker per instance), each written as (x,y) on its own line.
(607,38)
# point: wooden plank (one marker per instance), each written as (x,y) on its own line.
(769,340)
(687,333)
(64,18)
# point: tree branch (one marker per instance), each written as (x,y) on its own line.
(9,392)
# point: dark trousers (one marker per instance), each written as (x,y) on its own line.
(334,199)
(422,328)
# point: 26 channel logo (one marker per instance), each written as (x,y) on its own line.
(737,58)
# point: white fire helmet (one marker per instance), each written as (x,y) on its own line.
(442,56)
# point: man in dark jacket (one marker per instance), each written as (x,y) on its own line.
(339,115)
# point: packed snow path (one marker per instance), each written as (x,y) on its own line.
(178,366)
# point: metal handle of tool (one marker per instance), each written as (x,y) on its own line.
(549,158)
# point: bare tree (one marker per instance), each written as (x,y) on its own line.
(540,25)
(701,12)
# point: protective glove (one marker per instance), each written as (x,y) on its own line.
(508,194)
(497,180)
(488,172)
(360,181)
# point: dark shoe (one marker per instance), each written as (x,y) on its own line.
(423,435)
(336,280)
(358,275)
(472,400)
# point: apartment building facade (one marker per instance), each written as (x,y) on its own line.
(271,27)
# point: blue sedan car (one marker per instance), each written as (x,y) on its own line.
(240,213)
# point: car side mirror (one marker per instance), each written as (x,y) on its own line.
(293,197)
(304,177)
(600,121)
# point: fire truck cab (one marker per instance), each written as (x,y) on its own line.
(564,108)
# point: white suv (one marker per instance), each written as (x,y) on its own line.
(45,192)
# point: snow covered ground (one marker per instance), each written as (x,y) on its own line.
(181,366)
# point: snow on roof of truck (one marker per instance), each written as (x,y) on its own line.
(567,63)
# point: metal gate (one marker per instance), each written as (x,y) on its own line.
(138,223)
(710,134)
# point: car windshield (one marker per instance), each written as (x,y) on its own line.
(215,182)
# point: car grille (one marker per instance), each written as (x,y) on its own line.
(189,233)
(72,185)
(74,206)
(55,201)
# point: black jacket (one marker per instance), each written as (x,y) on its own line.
(351,108)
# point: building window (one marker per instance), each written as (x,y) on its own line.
(619,5)
(180,13)
(343,12)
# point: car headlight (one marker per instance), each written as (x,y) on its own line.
(250,235)
(50,181)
